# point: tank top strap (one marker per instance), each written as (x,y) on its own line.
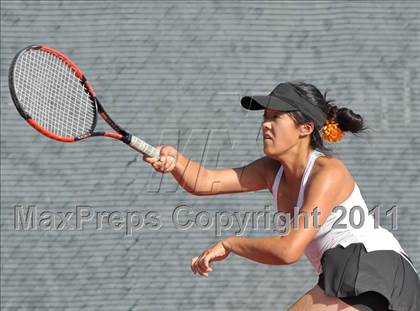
(275,188)
(314,155)
(276,184)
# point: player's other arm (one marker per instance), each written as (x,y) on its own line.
(198,180)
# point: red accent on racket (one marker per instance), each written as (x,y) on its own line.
(52,94)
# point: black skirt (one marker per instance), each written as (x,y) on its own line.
(378,280)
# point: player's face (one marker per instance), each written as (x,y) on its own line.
(280,132)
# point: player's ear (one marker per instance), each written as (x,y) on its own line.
(306,128)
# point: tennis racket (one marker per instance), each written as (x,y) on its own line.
(53,95)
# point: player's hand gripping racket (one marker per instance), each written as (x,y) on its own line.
(52,94)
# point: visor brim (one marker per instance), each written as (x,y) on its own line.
(264,102)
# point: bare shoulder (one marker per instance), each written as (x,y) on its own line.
(324,163)
(334,172)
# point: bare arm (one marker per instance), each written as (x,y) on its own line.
(321,194)
(199,180)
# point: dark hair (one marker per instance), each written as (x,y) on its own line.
(347,120)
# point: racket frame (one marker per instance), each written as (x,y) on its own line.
(120,134)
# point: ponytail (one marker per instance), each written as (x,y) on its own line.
(339,119)
(347,120)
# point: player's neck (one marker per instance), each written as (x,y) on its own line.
(294,163)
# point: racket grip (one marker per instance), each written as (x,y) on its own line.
(143,147)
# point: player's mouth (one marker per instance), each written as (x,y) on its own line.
(266,136)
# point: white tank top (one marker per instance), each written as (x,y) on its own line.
(328,237)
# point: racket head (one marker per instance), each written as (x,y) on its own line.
(52,94)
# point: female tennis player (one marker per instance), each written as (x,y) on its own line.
(359,268)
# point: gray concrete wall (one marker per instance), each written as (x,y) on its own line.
(173,72)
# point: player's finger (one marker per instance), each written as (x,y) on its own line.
(169,164)
(206,264)
(157,166)
(163,160)
(203,263)
(152,160)
(193,265)
(201,268)
(196,266)
(149,160)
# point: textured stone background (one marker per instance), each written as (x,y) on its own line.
(173,72)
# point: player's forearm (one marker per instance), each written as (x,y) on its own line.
(190,175)
(271,251)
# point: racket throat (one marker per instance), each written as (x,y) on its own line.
(108,119)
(126,138)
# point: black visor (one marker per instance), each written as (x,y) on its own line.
(285,98)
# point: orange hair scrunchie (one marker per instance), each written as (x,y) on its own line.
(331,131)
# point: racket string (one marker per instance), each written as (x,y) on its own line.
(39,112)
(52,95)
